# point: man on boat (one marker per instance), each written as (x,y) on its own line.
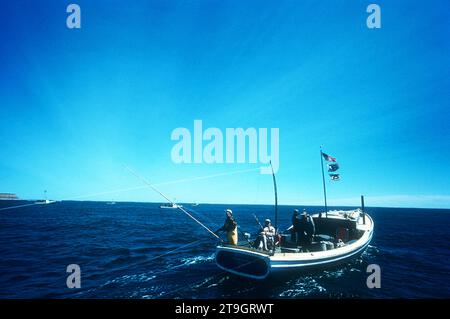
(230,226)
(295,229)
(267,235)
(307,229)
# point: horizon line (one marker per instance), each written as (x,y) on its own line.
(247,204)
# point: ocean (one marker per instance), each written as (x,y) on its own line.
(137,250)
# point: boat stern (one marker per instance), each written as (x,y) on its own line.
(243,261)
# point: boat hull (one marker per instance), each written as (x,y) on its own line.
(246,263)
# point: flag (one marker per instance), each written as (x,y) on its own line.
(333,167)
(328,157)
(335,177)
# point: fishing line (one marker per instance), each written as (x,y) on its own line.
(25,205)
(165,183)
(214,223)
(189,286)
(209,176)
(156,257)
(178,248)
(141,187)
(170,201)
(106,192)
(203,280)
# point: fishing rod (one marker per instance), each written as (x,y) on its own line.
(276,197)
(245,234)
(257,220)
(171,202)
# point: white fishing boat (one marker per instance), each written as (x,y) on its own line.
(341,235)
(45,201)
(170,206)
(337,237)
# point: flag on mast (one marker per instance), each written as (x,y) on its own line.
(335,177)
(328,158)
(333,167)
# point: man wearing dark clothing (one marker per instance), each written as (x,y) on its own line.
(306,230)
(295,231)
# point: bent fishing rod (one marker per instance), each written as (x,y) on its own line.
(170,201)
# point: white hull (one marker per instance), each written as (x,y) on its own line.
(45,202)
(170,207)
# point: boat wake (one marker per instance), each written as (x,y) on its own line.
(196,260)
(305,286)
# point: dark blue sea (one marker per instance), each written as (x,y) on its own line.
(123,251)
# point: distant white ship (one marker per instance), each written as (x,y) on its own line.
(170,206)
(45,201)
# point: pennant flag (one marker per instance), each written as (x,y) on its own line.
(328,157)
(333,167)
(335,177)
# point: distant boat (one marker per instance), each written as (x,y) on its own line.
(45,201)
(170,206)
(195,204)
(111,203)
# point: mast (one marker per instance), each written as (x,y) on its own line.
(276,197)
(363,209)
(324,188)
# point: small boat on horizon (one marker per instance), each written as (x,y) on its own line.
(170,206)
(45,201)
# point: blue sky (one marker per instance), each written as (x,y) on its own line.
(76,105)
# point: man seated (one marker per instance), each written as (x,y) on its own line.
(267,236)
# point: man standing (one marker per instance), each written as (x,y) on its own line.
(230,226)
(306,229)
(295,230)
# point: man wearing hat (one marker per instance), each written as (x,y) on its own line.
(267,235)
(230,226)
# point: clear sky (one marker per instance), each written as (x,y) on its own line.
(75,105)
